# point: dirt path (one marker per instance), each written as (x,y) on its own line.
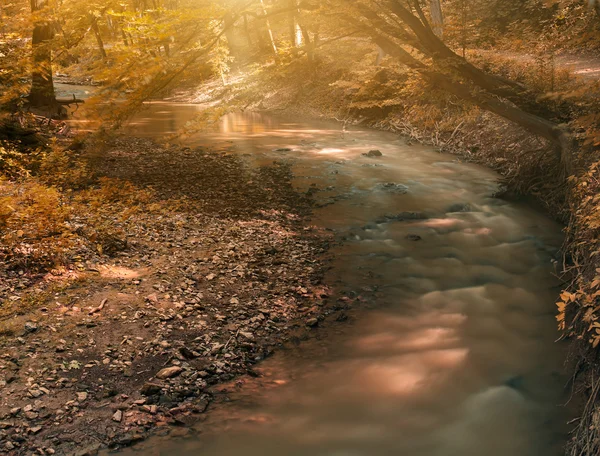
(128,344)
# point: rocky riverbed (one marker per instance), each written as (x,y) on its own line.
(118,346)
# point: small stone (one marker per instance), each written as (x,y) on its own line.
(413,237)
(373,153)
(35,393)
(312,322)
(187,353)
(82,396)
(31,415)
(9,446)
(150,389)
(117,416)
(35,429)
(169,372)
(31,327)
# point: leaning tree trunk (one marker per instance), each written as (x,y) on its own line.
(435,48)
(42,85)
(558,135)
(292,23)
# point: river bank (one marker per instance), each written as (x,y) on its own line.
(220,266)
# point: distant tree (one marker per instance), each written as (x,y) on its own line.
(42,85)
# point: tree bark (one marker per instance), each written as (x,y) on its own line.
(42,85)
(437,18)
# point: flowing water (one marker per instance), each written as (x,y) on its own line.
(453,352)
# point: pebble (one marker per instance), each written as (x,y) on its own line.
(150,389)
(169,372)
(117,416)
(312,322)
(30,327)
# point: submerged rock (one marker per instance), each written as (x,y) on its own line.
(516,382)
(393,188)
(460,207)
(401,217)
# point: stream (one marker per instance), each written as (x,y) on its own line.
(453,351)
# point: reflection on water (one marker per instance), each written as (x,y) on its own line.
(456,355)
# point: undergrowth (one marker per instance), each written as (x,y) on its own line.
(54,211)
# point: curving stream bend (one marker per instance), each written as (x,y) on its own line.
(453,353)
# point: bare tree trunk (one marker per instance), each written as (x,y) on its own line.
(247,31)
(272,39)
(437,18)
(310,51)
(292,23)
(42,85)
(96,30)
(229,22)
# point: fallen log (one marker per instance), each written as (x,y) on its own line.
(69,101)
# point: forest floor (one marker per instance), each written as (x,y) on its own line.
(194,295)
